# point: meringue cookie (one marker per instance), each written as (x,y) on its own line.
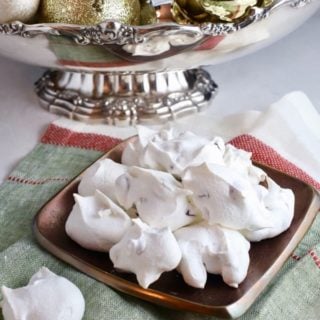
(172,151)
(46,297)
(159,199)
(146,252)
(102,176)
(240,160)
(279,210)
(211,248)
(134,150)
(21,10)
(96,222)
(225,197)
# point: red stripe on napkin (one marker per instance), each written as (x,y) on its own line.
(264,154)
(315,258)
(295,257)
(67,138)
(36,182)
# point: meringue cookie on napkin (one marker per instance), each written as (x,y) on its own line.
(96,222)
(214,249)
(158,197)
(171,150)
(146,252)
(46,297)
(102,176)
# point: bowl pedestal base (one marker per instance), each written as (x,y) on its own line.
(126,98)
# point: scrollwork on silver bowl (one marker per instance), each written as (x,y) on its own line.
(110,52)
(105,33)
(126,98)
(112,33)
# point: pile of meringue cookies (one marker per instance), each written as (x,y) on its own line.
(131,12)
(178,201)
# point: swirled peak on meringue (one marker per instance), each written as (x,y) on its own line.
(96,222)
(214,249)
(240,161)
(46,297)
(102,176)
(171,150)
(279,210)
(158,197)
(146,252)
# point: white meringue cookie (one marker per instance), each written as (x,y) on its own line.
(146,252)
(224,197)
(46,297)
(171,150)
(211,248)
(279,210)
(240,160)
(102,176)
(132,155)
(96,222)
(158,198)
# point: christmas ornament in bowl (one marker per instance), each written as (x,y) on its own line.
(127,61)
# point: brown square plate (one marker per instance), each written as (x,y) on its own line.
(266,257)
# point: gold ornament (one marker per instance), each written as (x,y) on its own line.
(200,11)
(89,12)
(148,14)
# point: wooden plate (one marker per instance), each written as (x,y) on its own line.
(216,298)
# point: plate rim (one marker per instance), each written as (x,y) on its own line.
(232,310)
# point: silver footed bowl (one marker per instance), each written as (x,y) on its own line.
(119,74)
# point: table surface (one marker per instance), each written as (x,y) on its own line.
(250,82)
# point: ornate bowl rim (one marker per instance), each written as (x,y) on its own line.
(111,32)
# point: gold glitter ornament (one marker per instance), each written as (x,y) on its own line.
(89,12)
(148,14)
(200,11)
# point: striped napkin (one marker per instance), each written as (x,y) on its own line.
(286,136)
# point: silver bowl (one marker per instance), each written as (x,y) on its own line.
(120,74)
